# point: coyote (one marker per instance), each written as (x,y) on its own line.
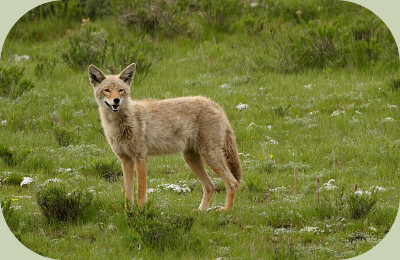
(194,126)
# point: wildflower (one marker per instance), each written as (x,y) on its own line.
(241,106)
(271,156)
(14,199)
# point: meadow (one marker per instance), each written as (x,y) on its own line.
(311,89)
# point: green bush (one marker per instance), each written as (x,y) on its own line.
(361,203)
(12,81)
(158,230)
(110,171)
(13,179)
(87,46)
(65,137)
(149,17)
(123,53)
(221,14)
(7,155)
(57,204)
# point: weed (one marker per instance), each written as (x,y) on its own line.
(159,230)
(281,111)
(57,204)
(45,66)
(331,205)
(12,81)
(394,84)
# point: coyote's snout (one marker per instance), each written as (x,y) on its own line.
(194,126)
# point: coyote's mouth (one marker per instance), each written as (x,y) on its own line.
(112,107)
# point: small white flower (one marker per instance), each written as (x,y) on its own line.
(252,125)
(253,4)
(52,180)
(373,229)
(26,181)
(20,58)
(309,86)
(270,140)
(309,229)
(241,106)
(224,85)
(361,192)
(338,112)
(4,123)
(388,119)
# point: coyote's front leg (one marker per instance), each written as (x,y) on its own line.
(127,168)
(141,173)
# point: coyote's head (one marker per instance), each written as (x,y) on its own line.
(111,91)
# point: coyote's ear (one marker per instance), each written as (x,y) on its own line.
(127,74)
(95,76)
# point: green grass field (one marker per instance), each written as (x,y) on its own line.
(302,91)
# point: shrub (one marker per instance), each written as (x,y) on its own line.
(7,155)
(158,230)
(221,14)
(149,17)
(57,204)
(394,84)
(87,46)
(13,179)
(12,81)
(123,53)
(361,203)
(65,137)
(110,171)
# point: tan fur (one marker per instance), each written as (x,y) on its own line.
(194,126)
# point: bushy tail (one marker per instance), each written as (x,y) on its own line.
(232,156)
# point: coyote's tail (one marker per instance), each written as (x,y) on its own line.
(232,156)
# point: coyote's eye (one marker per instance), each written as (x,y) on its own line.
(121,90)
(107,90)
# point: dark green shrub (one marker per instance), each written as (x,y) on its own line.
(13,179)
(158,230)
(394,84)
(87,46)
(12,81)
(65,137)
(57,204)
(7,155)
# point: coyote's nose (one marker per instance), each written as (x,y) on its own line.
(116,100)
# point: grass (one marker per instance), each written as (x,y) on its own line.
(336,118)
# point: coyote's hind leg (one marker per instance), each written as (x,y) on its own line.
(193,160)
